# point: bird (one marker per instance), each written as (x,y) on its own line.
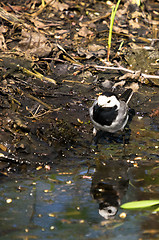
(109,112)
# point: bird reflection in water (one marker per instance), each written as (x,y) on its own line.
(109,185)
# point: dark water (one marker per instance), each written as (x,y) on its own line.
(58,205)
(83,201)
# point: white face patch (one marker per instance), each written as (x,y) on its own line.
(104,101)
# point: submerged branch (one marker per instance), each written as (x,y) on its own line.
(34,98)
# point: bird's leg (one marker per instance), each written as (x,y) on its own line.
(94,131)
(95,137)
(124,133)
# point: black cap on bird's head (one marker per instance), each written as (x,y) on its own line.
(109,94)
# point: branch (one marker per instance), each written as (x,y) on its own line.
(98,67)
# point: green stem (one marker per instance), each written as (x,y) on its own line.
(114,10)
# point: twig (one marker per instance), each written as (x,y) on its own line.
(35,14)
(96,19)
(131,36)
(34,98)
(38,100)
(80,82)
(12,18)
(71,58)
(36,74)
(36,116)
(98,67)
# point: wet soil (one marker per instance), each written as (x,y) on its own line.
(42,123)
(50,75)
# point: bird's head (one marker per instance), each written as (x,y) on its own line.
(108,101)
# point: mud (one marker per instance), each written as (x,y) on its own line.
(42,123)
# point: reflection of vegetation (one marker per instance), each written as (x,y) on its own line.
(114,9)
(143,204)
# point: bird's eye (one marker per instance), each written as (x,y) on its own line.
(108,101)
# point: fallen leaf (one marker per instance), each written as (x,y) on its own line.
(120,30)
(134,86)
(38,23)
(93,50)
(133,76)
(155,112)
(3,148)
(58,6)
(15,8)
(134,24)
(34,43)
(84,32)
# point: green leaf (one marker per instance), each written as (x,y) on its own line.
(140,204)
(156,210)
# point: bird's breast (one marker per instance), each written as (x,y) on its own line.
(104,115)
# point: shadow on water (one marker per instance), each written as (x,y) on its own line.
(109,185)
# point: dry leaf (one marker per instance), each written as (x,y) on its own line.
(134,86)
(58,6)
(34,43)
(38,23)
(120,30)
(94,47)
(133,76)
(134,24)
(93,50)
(155,112)
(121,84)
(84,32)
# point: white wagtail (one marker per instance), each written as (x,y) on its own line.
(109,112)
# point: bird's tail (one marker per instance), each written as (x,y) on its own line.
(127,95)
